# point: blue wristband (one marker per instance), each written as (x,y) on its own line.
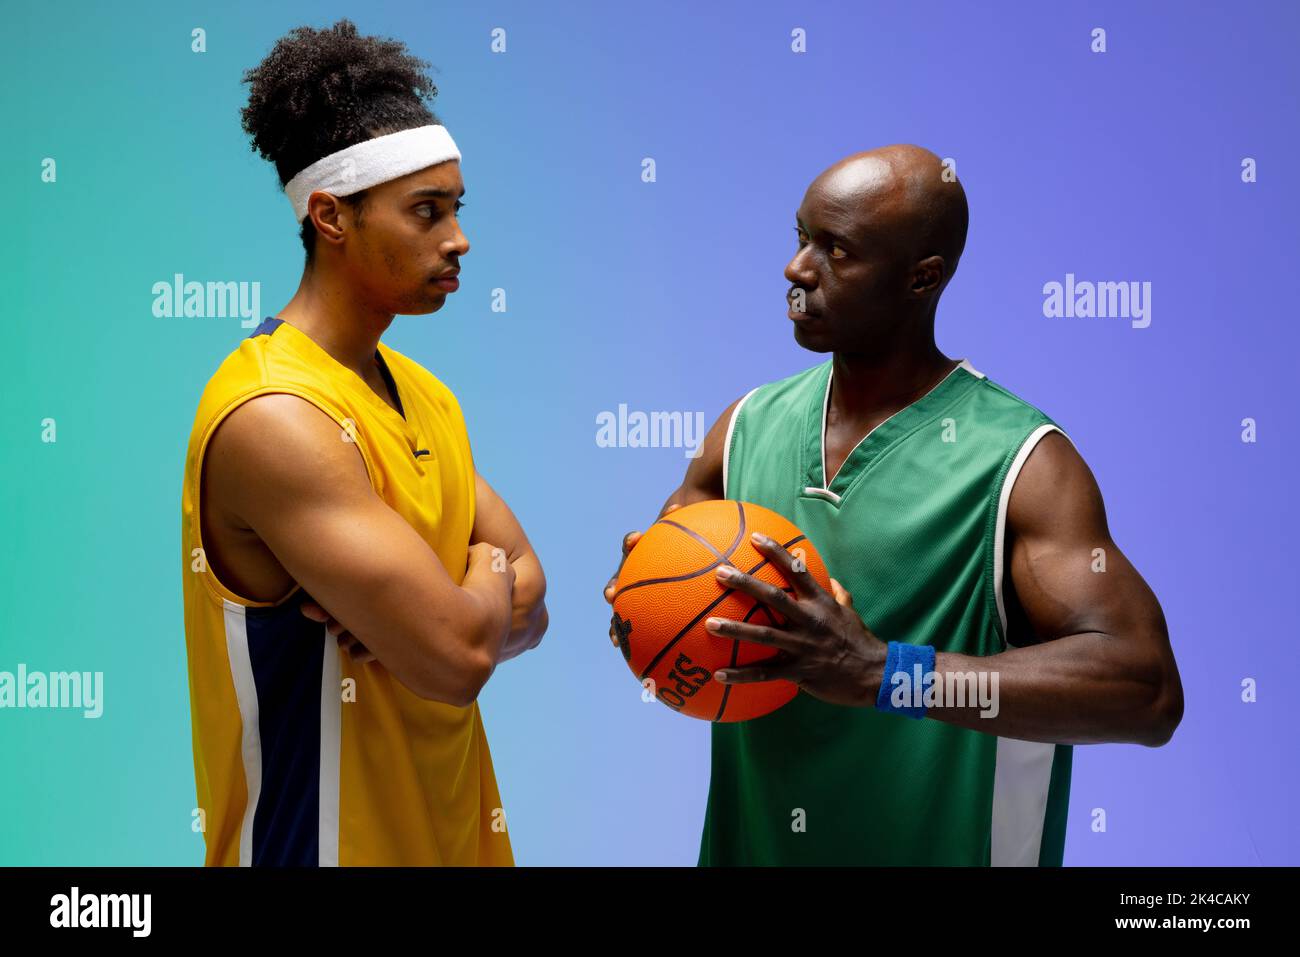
(901,661)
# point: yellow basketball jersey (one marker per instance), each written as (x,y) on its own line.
(302,756)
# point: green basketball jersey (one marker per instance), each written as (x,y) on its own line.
(913,526)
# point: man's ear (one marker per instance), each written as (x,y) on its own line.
(327,215)
(927,275)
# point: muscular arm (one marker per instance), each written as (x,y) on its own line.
(1102,669)
(281,466)
(496,524)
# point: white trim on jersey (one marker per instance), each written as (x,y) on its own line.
(1004,499)
(241,671)
(822,493)
(731,427)
(331,719)
(1022,773)
(826,403)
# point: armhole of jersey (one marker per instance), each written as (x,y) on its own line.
(1025,805)
(214,585)
(731,429)
(1000,522)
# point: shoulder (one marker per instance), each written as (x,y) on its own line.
(791,394)
(268,422)
(767,394)
(1041,462)
(813,377)
(279,446)
(1008,427)
(1054,489)
(241,374)
(242,370)
(707,472)
(993,395)
(262,362)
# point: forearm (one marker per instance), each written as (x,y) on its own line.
(492,615)
(529,617)
(526,635)
(1080,689)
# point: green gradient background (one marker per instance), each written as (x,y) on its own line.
(664,297)
(155,177)
(89,589)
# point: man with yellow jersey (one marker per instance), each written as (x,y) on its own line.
(350,580)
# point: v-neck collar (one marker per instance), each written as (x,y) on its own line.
(390,382)
(315,353)
(871,445)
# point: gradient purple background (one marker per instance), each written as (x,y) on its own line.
(669,296)
(1120,166)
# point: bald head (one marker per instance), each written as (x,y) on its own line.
(903,190)
(880,236)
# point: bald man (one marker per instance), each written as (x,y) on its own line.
(969,549)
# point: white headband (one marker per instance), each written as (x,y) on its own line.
(370,163)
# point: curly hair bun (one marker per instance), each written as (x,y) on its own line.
(319,91)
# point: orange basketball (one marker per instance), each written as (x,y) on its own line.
(667,588)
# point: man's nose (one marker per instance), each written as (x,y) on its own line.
(458,245)
(799,272)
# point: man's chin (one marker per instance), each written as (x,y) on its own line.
(431,305)
(814,340)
